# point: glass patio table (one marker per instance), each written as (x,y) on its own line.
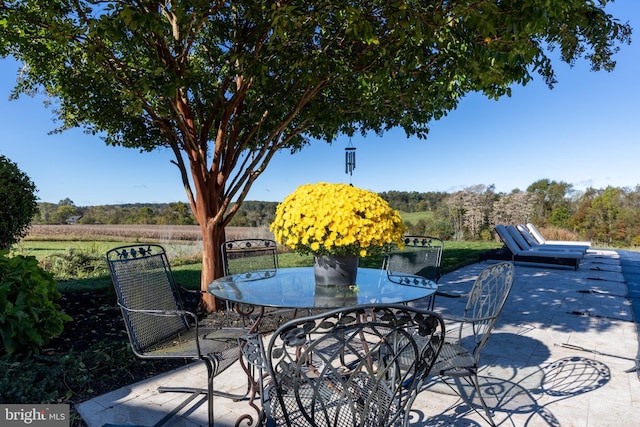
(296,288)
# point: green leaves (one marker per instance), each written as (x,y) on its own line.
(18,206)
(29,316)
(138,57)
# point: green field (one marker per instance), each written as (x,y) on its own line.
(44,248)
(414,217)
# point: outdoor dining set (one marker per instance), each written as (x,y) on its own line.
(353,355)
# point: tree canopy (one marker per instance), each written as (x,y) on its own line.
(225,85)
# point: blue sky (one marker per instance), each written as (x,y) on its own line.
(585,132)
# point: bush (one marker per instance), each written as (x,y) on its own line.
(76,264)
(557,233)
(29,317)
(18,206)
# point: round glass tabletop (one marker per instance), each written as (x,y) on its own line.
(296,288)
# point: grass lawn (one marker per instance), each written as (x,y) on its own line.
(43,248)
(414,217)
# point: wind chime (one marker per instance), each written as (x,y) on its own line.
(350,159)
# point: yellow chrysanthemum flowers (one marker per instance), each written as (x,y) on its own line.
(336,219)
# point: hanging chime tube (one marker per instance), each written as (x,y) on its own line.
(350,160)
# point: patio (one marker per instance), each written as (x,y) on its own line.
(563,354)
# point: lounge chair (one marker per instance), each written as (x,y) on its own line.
(566,258)
(528,242)
(529,237)
(508,230)
(535,233)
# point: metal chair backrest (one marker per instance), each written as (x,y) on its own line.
(143,281)
(422,256)
(243,255)
(485,301)
(354,366)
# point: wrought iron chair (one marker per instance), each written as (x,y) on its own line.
(158,325)
(246,255)
(353,366)
(251,257)
(422,256)
(460,355)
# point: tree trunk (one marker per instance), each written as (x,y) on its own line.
(213,236)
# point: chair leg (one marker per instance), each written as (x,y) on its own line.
(209,392)
(196,391)
(473,379)
(432,302)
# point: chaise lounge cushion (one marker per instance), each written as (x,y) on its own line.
(528,242)
(535,233)
(567,258)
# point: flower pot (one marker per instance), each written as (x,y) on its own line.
(336,270)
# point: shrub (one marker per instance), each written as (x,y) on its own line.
(75,264)
(29,317)
(557,233)
(18,206)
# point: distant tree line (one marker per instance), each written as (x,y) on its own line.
(251,214)
(255,214)
(414,201)
(66,212)
(609,216)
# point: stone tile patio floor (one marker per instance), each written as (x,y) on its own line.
(562,354)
